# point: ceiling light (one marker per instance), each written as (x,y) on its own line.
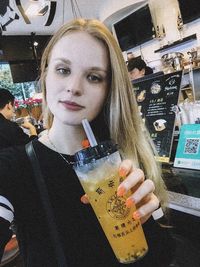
(37,8)
(33,9)
(35,43)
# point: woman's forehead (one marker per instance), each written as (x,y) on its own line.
(76,46)
(78,38)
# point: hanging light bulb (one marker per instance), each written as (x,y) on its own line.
(37,8)
(32,9)
(35,43)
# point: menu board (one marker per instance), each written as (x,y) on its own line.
(157,97)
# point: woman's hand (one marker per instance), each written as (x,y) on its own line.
(142,191)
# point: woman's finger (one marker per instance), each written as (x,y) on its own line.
(84,199)
(132,181)
(147,208)
(145,188)
(125,167)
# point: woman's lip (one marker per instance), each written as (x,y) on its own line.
(71,105)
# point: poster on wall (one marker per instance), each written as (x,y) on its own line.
(188,149)
(157,97)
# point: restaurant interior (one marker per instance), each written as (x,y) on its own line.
(166,35)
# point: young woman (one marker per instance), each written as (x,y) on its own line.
(83,75)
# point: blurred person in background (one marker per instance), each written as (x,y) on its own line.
(10,132)
(137,68)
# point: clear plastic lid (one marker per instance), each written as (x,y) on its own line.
(91,154)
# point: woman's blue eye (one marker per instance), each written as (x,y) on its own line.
(94,78)
(63,71)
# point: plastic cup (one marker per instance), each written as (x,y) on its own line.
(97,169)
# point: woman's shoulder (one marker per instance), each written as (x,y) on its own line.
(11,154)
(14,162)
(16,152)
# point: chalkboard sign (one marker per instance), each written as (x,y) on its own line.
(157,97)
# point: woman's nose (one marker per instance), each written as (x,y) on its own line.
(75,85)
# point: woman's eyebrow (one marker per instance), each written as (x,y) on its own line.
(62,60)
(99,69)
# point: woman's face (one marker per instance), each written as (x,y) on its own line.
(77,78)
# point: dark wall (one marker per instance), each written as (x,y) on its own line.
(19,52)
(24,71)
(17,48)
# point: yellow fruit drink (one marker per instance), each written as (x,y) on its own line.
(100,181)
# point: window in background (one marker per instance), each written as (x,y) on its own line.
(21,90)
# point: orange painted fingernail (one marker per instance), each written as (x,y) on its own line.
(85,143)
(84,199)
(136,215)
(122,172)
(121,191)
(129,202)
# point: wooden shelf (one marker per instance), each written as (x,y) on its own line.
(177,43)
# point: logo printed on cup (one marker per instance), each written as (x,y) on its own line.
(117,208)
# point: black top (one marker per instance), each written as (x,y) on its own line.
(83,240)
(11,134)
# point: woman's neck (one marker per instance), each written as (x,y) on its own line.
(65,139)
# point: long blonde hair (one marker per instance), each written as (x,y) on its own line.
(125,124)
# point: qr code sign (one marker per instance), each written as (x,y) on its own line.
(192,145)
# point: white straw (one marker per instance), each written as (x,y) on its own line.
(89,132)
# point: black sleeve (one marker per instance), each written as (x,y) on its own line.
(9,183)
(160,242)
(5,234)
